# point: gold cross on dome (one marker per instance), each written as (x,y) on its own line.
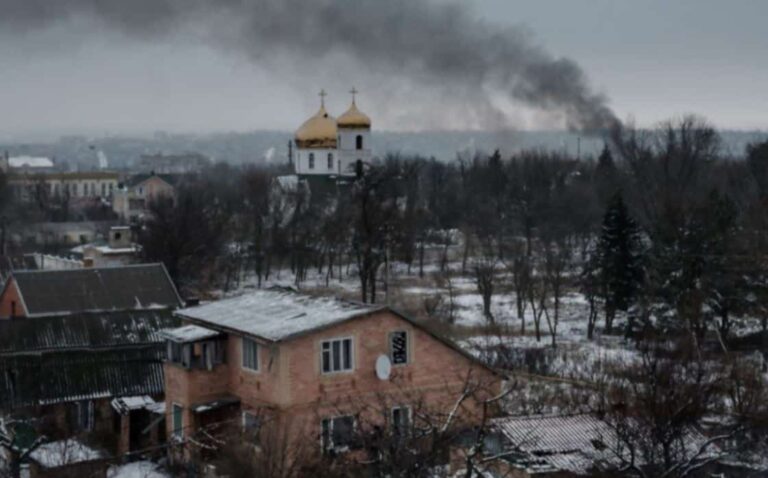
(322,95)
(354,92)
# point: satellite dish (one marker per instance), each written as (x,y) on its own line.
(383,367)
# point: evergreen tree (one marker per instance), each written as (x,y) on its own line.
(606,176)
(619,256)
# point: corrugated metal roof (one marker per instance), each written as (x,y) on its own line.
(565,442)
(277,314)
(84,331)
(61,377)
(59,292)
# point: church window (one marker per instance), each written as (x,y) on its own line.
(330,160)
(359,141)
(311,160)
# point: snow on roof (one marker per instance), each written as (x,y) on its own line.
(566,442)
(64,452)
(124,405)
(277,314)
(30,162)
(189,333)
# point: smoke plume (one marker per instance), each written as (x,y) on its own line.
(430,43)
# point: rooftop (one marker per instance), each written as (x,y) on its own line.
(276,314)
(30,162)
(87,331)
(42,379)
(63,292)
(189,333)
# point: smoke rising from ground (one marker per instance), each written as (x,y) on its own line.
(426,42)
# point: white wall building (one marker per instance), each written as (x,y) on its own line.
(327,146)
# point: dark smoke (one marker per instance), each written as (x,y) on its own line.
(441,44)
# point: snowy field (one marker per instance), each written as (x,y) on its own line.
(449,299)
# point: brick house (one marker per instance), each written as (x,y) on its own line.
(309,364)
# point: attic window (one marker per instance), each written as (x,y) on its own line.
(398,347)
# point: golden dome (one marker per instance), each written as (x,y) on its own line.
(354,118)
(318,131)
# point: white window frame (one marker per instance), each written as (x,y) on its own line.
(408,347)
(330,342)
(243,363)
(177,433)
(332,447)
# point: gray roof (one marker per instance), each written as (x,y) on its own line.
(276,314)
(65,376)
(62,292)
(576,443)
(87,331)
(189,333)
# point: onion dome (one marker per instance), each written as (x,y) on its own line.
(318,131)
(354,118)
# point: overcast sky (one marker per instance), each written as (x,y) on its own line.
(653,59)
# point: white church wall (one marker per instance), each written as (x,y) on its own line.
(348,152)
(321,166)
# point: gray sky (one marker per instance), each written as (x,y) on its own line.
(653,59)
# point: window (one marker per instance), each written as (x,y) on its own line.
(250,354)
(400,421)
(330,160)
(337,355)
(337,433)
(251,426)
(311,160)
(83,415)
(178,421)
(398,347)
(13,308)
(359,141)
(179,353)
(103,189)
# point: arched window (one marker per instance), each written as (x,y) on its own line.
(330,160)
(359,141)
(311,160)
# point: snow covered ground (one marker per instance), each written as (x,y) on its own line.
(137,469)
(64,452)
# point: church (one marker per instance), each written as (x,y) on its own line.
(333,147)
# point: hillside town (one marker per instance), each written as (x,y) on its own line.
(381,239)
(346,314)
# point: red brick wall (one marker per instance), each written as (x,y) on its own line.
(290,379)
(9,296)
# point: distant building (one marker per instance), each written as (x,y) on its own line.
(172,163)
(119,249)
(26,163)
(31,186)
(65,292)
(67,234)
(131,201)
(327,146)
(306,362)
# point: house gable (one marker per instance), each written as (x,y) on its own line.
(11,301)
